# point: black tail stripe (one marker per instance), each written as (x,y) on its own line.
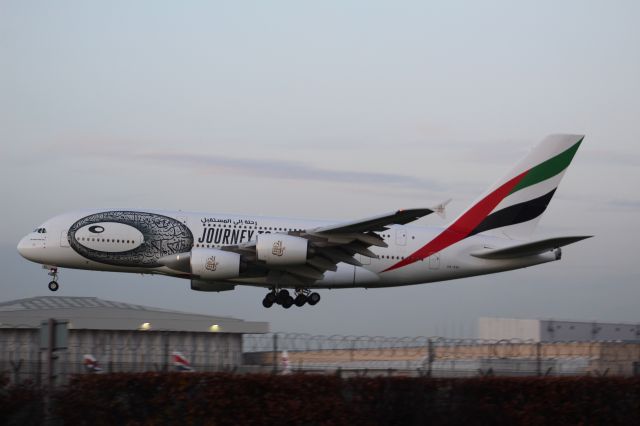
(518,213)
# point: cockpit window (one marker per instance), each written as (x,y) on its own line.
(40,230)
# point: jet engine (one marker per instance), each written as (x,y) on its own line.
(199,285)
(280,249)
(213,264)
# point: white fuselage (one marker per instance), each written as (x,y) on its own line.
(51,246)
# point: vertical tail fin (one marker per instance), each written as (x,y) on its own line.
(180,362)
(513,205)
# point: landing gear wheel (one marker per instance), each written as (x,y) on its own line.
(267,303)
(287,302)
(53,273)
(313,298)
(270,297)
(300,300)
(282,296)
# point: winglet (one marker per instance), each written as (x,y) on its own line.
(440,209)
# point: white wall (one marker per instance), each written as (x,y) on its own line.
(508,328)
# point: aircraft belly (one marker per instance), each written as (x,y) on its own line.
(342,277)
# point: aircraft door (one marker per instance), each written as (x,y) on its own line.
(434,261)
(64,239)
(401,236)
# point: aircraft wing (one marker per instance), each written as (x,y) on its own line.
(528,249)
(331,245)
(376,223)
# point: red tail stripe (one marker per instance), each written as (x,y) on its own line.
(180,360)
(463,226)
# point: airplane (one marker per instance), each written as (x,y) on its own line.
(218,252)
(286,364)
(181,363)
(91,364)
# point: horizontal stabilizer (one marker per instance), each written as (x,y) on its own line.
(528,249)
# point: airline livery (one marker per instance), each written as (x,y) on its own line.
(217,252)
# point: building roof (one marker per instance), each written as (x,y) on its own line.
(98,314)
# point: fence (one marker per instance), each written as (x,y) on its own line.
(137,351)
(441,357)
(21,357)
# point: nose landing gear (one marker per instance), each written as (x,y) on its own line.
(284,299)
(53,284)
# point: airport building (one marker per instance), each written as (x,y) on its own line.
(124,337)
(121,336)
(550,330)
(504,346)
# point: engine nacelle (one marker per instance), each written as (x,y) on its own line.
(280,249)
(214,264)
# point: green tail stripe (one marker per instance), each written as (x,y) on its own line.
(547,169)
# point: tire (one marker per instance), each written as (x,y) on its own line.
(300,300)
(267,303)
(53,286)
(270,297)
(282,296)
(287,302)
(313,298)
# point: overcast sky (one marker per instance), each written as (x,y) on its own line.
(328,110)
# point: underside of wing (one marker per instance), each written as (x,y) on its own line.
(323,248)
(528,249)
(295,259)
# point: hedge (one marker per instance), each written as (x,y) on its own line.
(21,404)
(226,399)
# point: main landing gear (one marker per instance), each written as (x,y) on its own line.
(284,299)
(53,284)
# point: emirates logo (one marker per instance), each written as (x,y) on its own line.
(278,248)
(211,264)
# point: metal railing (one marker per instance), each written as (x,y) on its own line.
(439,356)
(21,358)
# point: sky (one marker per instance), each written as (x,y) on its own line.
(326,110)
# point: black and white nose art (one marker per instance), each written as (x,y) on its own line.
(128,238)
(110,237)
(96,229)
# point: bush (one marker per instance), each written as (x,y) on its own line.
(21,404)
(225,399)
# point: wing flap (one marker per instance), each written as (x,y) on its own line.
(528,249)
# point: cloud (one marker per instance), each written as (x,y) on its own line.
(279,169)
(626,204)
(261,168)
(609,158)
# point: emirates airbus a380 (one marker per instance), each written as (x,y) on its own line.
(217,252)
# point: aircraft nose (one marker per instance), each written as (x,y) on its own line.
(25,248)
